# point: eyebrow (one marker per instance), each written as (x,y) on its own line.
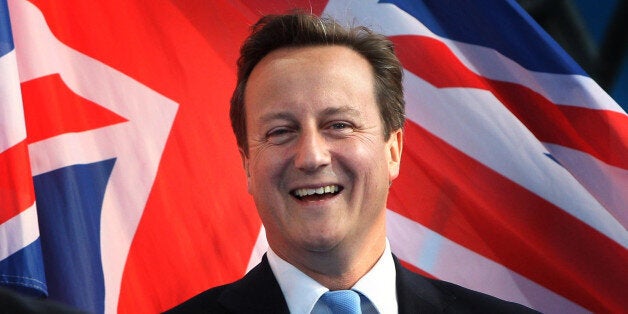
(284,115)
(341,110)
(276,116)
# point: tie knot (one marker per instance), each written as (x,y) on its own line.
(342,301)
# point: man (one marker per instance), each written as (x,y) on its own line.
(318,113)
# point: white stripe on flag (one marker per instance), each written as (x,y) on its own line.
(70,149)
(18,232)
(12,126)
(439,256)
(607,183)
(260,248)
(476,123)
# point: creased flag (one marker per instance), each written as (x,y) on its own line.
(114,121)
(21,264)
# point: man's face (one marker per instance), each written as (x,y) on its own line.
(319,166)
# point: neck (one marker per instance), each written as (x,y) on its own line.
(341,267)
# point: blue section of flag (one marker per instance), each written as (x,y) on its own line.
(69,205)
(23,271)
(493,24)
(6,40)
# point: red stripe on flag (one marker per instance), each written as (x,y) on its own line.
(600,133)
(51,108)
(608,127)
(465,201)
(16,183)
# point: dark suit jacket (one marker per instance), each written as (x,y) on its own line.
(259,292)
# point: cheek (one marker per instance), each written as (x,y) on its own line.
(265,168)
(364,159)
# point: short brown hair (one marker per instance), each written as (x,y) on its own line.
(298,29)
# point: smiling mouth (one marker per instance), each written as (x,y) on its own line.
(315,194)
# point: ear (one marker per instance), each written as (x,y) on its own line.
(394,147)
(245,164)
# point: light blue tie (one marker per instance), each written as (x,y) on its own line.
(342,301)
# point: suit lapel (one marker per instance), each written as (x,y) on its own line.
(257,292)
(416,293)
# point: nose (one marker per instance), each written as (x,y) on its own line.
(312,152)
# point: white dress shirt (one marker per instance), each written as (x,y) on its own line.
(302,292)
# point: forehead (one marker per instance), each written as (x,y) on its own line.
(315,54)
(310,76)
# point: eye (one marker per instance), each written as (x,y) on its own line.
(279,135)
(277,132)
(341,126)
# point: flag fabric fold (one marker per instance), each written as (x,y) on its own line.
(21,263)
(121,188)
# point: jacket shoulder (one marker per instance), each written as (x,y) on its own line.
(204,302)
(465,300)
(428,295)
(257,292)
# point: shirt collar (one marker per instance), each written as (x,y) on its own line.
(302,292)
(379,285)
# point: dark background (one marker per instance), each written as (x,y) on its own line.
(594,33)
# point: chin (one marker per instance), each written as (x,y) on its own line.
(321,242)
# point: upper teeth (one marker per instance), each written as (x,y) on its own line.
(321,190)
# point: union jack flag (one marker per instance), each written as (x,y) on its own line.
(121,188)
